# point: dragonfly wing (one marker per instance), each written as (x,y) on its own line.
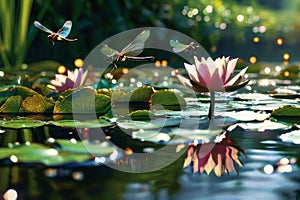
(136,47)
(65,30)
(106,50)
(177,46)
(41,27)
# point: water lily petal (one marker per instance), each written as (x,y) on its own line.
(236,77)
(216,82)
(191,69)
(230,68)
(203,73)
(236,86)
(78,78)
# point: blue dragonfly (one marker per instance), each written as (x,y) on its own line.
(61,34)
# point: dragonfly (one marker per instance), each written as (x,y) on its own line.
(179,47)
(129,52)
(61,34)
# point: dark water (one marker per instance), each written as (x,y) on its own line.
(171,182)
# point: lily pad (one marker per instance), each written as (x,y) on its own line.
(18,124)
(86,147)
(291,137)
(168,100)
(142,94)
(83,101)
(151,136)
(85,124)
(37,153)
(142,115)
(248,115)
(37,103)
(12,105)
(287,111)
(262,126)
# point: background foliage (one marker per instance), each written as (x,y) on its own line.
(95,20)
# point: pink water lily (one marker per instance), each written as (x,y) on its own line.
(208,75)
(219,157)
(72,80)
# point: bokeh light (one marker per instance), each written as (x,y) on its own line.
(78,62)
(252,59)
(61,69)
(279,41)
(164,63)
(240,18)
(286,56)
(256,39)
(10,194)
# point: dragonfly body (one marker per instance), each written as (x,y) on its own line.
(130,52)
(61,34)
(179,47)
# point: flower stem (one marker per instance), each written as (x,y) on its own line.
(212,105)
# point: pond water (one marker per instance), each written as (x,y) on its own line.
(270,154)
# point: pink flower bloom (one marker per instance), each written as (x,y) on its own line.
(73,80)
(208,75)
(218,157)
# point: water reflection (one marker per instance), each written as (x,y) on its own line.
(220,157)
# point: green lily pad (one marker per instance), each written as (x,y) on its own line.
(142,115)
(168,100)
(83,100)
(86,147)
(151,136)
(37,153)
(79,124)
(37,103)
(287,111)
(142,94)
(12,105)
(18,124)
(291,137)
(4,95)
(24,91)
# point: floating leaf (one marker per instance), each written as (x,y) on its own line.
(142,115)
(4,95)
(142,94)
(37,153)
(247,115)
(17,124)
(292,137)
(287,111)
(79,124)
(12,105)
(151,136)
(153,124)
(24,91)
(37,103)
(168,99)
(262,126)
(86,147)
(83,101)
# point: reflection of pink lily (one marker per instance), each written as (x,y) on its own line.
(212,76)
(220,157)
(73,80)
